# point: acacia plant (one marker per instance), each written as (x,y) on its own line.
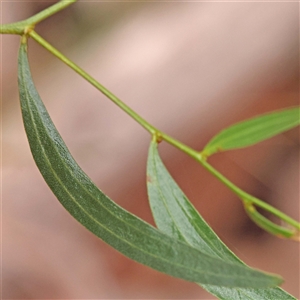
(183,245)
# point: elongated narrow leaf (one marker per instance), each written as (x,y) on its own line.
(175,215)
(122,230)
(252,131)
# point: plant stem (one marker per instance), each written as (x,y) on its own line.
(159,135)
(153,131)
(25,25)
(94,82)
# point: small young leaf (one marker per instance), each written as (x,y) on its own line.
(117,227)
(175,215)
(252,131)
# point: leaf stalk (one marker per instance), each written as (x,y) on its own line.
(94,82)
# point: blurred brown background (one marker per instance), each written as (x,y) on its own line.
(189,68)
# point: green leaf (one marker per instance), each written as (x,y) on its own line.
(252,131)
(175,215)
(117,227)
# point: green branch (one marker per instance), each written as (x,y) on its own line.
(94,82)
(159,135)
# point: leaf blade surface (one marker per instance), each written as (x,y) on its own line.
(252,131)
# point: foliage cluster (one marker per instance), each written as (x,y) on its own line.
(183,245)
